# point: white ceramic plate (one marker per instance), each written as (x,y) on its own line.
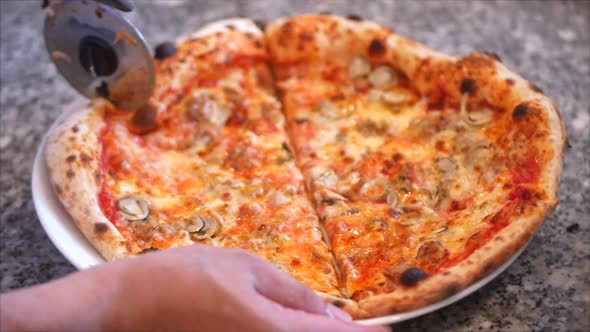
(73,245)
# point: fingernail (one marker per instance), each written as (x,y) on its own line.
(337,313)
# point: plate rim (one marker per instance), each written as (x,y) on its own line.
(61,230)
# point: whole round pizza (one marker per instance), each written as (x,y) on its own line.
(382,174)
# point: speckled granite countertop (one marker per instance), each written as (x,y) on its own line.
(547,288)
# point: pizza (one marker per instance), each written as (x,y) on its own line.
(382,174)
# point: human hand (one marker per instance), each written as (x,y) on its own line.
(196,288)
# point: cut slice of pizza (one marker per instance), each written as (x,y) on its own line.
(427,171)
(207,161)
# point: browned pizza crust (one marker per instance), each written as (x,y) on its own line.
(73,155)
(437,77)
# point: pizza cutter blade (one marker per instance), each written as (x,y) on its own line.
(99,52)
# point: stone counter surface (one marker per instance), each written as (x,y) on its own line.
(548,42)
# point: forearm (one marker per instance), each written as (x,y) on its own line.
(83,301)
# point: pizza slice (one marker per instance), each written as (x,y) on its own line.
(207,161)
(426,171)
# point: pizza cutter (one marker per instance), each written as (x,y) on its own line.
(98,51)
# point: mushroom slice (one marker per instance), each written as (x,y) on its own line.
(203,227)
(381,77)
(375,189)
(431,253)
(359,66)
(395,98)
(377,226)
(477,117)
(440,230)
(447,165)
(133,208)
(327,109)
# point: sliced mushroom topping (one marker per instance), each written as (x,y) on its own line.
(412,276)
(430,254)
(391,199)
(440,230)
(382,76)
(393,98)
(415,215)
(328,197)
(322,177)
(359,66)
(203,227)
(133,208)
(327,109)
(377,226)
(477,155)
(348,181)
(448,166)
(197,224)
(205,107)
(477,117)
(278,198)
(375,189)
(442,197)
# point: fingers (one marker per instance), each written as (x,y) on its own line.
(281,288)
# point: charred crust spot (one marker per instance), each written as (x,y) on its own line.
(535,88)
(339,303)
(450,290)
(70,174)
(230,27)
(354,17)
(446,273)
(75,129)
(103,90)
(285,32)
(145,119)
(305,37)
(250,35)
(499,239)
(301,120)
(261,24)
(285,147)
(100,227)
(148,250)
(58,189)
(258,44)
(509,81)
(412,276)
(468,86)
(164,50)
(71,158)
(84,158)
(376,48)
(487,268)
(520,111)
(493,55)
(97,177)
